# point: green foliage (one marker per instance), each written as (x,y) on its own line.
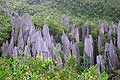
(30,69)
(114,35)
(92,74)
(81,12)
(81,47)
(5,28)
(93,8)
(48,18)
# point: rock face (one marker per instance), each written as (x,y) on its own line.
(46,35)
(118,36)
(113,59)
(99,42)
(75,34)
(100,63)
(4,48)
(110,56)
(25,38)
(88,48)
(15,52)
(21,40)
(66,46)
(75,52)
(27,51)
(10,47)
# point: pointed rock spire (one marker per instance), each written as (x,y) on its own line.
(21,40)
(100,63)
(88,47)
(66,45)
(75,52)
(27,51)
(118,35)
(46,35)
(11,46)
(15,52)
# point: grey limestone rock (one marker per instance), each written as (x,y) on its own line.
(66,45)
(118,35)
(15,52)
(11,46)
(75,52)
(100,63)
(27,51)
(21,40)
(88,48)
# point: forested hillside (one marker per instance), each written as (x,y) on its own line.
(59,39)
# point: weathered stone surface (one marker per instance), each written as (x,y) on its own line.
(21,40)
(112,30)
(28,41)
(112,55)
(75,52)
(27,22)
(16,25)
(113,27)
(28,26)
(106,47)
(77,35)
(33,41)
(111,59)
(84,32)
(20,51)
(45,52)
(110,34)
(55,55)
(100,63)
(33,38)
(52,50)
(118,35)
(66,45)
(11,46)
(58,47)
(32,30)
(99,41)
(106,56)
(27,51)
(46,35)
(34,51)
(88,47)
(25,36)
(15,52)
(39,43)
(4,49)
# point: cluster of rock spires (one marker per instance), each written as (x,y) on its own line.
(25,38)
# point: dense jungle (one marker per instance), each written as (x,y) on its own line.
(59,39)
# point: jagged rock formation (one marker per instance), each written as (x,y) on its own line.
(26,38)
(100,63)
(88,48)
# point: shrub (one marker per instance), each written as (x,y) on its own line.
(30,69)
(92,74)
(5,28)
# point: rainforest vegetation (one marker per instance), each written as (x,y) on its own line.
(59,39)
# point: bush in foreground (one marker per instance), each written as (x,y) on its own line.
(31,69)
